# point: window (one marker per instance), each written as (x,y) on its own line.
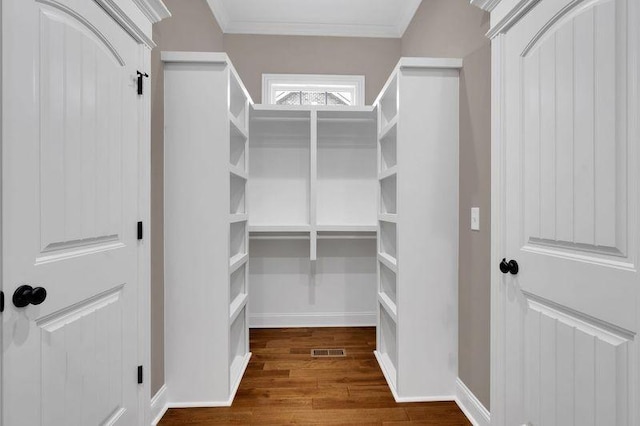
(308,89)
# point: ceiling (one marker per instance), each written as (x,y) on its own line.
(353,18)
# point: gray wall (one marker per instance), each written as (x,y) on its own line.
(253,55)
(445,28)
(453,28)
(192,27)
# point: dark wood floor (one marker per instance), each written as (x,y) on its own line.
(284,385)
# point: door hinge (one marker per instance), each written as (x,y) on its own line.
(139,230)
(139,374)
(140,84)
(1,301)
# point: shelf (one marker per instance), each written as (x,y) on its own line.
(280,113)
(237,261)
(239,217)
(279,160)
(238,100)
(279,232)
(280,236)
(388,102)
(237,238)
(388,198)
(390,172)
(346,236)
(238,282)
(391,218)
(390,127)
(387,283)
(279,228)
(389,306)
(238,172)
(388,261)
(237,127)
(347,115)
(347,228)
(237,191)
(346,189)
(236,306)
(388,239)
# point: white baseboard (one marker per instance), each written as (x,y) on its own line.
(477,414)
(236,385)
(402,399)
(321,319)
(159,405)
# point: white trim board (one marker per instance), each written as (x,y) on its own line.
(471,406)
(322,319)
(159,405)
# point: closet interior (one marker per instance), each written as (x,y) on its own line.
(298,216)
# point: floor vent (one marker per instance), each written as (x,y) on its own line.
(324,353)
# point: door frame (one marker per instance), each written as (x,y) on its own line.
(137,18)
(504,14)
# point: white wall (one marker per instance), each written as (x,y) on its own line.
(284,291)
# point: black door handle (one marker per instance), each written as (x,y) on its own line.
(26,295)
(509,267)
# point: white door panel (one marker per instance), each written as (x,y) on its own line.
(70,188)
(571,214)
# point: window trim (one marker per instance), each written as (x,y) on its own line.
(273,82)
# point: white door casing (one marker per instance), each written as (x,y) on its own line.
(71,191)
(565,205)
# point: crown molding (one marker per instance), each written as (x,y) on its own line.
(154,10)
(487,5)
(229,26)
(306,29)
(220,13)
(407,17)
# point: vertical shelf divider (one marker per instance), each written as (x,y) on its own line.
(313,187)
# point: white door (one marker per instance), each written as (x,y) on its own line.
(69,212)
(567,322)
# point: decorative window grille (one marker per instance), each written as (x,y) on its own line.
(306,89)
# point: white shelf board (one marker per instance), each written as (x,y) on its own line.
(346,228)
(236,306)
(238,126)
(239,217)
(388,305)
(237,171)
(279,228)
(283,236)
(343,114)
(391,171)
(389,127)
(388,217)
(388,261)
(237,261)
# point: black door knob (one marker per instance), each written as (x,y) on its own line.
(27,295)
(509,267)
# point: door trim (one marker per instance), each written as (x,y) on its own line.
(497,349)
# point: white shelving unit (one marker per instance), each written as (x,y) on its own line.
(352,214)
(313,195)
(206,228)
(418,229)
(313,170)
